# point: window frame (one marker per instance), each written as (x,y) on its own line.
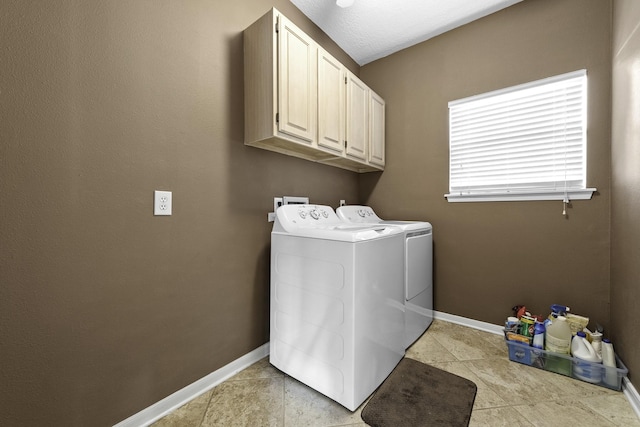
(519,194)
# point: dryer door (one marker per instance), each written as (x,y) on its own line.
(418,263)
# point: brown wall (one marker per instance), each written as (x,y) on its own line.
(104,308)
(492,256)
(625,184)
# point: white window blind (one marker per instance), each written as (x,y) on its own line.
(525,142)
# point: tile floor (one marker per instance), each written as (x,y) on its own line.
(509,394)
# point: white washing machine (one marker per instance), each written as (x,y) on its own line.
(418,254)
(337,315)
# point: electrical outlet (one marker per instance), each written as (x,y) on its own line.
(162,203)
(343,202)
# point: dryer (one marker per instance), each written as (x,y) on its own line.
(418,264)
(337,315)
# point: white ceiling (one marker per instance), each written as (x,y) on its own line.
(372,29)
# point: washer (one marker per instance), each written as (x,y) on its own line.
(337,313)
(418,255)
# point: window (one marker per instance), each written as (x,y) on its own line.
(526,142)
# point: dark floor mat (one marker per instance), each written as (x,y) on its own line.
(417,395)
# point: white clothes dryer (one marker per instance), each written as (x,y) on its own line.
(337,315)
(418,264)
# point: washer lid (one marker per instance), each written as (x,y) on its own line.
(321,222)
(366,215)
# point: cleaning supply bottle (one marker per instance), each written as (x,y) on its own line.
(557,339)
(558,336)
(596,342)
(556,310)
(538,335)
(587,365)
(609,361)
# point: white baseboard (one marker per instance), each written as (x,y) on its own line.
(465,321)
(193,390)
(182,396)
(632,395)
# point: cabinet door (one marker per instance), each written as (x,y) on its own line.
(357,117)
(331,102)
(297,82)
(376,130)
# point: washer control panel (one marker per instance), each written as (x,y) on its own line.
(314,214)
(322,222)
(365,212)
(307,215)
(361,214)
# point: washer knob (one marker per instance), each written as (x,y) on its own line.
(325,214)
(302,214)
(362,213)
(314,214)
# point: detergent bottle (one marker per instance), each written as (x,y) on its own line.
(557,339)
(558,336)
(609,361)
(587,364)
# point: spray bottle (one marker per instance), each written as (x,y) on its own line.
(556,310)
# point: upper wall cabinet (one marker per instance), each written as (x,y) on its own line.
(376,130)
(297,83)
(302,102)
(357,117)
(331,102)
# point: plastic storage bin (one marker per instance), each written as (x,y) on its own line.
(564,364)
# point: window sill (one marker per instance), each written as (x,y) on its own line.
(521,196)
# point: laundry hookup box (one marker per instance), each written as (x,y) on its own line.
(564,364)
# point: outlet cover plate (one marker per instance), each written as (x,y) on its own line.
(162,203)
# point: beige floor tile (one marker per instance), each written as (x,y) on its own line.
(498,417)
(485,397)
(509,393)
(189,415)
(560,413)
(258,402)
(614,407)
(497,340)
(260,369)
(428,350)
(305,407)
(465,343)
(514,382)
(353,425)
